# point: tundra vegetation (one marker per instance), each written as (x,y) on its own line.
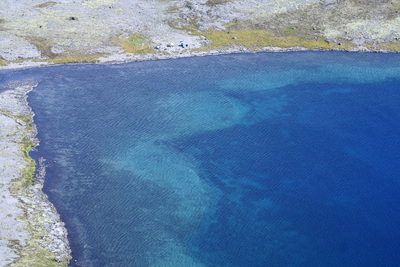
(32,234)
(75,31)
(90,30)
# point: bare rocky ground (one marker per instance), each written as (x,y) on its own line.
(34,32)
(39,32)
(31,232)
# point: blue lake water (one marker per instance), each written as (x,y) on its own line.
(269,159)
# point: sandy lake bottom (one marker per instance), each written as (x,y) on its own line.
(269,159)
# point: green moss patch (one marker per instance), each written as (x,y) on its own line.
(3,62)
(35,252)
(137,44)
(391,47)
(29,171)
(26,144)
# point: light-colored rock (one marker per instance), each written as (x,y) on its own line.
(20,208)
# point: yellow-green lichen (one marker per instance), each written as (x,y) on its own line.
(76,57)
(3,62)
(6,112)
(35,253)
(26,144)
(391,47)
(255,39)
(137,44)
(29,170)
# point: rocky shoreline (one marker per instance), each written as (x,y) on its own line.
(32,231)
(44,33)
(73,31)
(120,58)
(35,230)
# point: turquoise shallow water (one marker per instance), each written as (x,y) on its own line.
(286,159)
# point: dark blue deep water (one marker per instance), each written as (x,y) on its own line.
(285,159)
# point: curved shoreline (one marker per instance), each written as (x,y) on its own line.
(35,233)
(121,58)
(33,212)
(34,34)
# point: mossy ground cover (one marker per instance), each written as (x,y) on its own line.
(26,144)
(259,38)
(315,26)
(76,57)
(44,46)
(391,47)
(3,62)
(34,252)
(29,170)
(396,5)
(137,44)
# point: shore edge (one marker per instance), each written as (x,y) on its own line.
(37,224)
(35,233)
(176,52)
